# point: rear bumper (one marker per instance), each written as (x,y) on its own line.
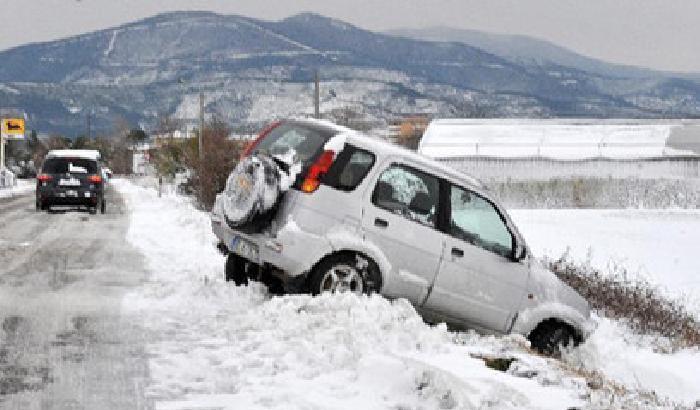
(292,251)
(68,196)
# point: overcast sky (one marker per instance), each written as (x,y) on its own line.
(662,34)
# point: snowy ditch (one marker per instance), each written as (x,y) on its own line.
(216,346)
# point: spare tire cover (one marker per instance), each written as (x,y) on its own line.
(252,188)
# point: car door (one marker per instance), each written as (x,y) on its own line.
(400,218)
(479,283)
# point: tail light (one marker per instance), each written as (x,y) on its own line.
(251,145)
(44,177)
(95,179)
(320,167)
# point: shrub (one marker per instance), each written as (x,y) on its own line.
(220,156)
(637,302)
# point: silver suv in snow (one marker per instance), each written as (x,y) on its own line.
(363,215)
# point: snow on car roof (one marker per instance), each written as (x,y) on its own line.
(323,123)
(74,153)
(385,148)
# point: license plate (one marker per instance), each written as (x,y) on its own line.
(69,182)
(244,248)
(72,193)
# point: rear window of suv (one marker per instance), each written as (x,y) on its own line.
(307,143)
(69,165)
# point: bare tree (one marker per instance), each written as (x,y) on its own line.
(121,154)
(221,155)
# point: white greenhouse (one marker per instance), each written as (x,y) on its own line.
(560,139)
(542,149)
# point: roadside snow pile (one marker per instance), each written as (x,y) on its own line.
(22,186)
(214,345)
(633,362)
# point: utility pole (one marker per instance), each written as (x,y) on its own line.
(201,127)
(317,96)
(2,151)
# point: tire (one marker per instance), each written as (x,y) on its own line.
(235,270)
(550,336)
(39,206)
(344,272)
(252,193)
(274,284)
(93,210)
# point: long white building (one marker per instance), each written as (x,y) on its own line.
(498,149)
(560,139)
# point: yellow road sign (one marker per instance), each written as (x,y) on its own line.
(13,126)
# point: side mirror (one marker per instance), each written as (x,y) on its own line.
(520,251)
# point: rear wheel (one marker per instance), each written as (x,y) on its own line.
(93,210)
(344,272)
(550,336)
(235,270)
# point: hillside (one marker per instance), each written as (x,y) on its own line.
(252,70)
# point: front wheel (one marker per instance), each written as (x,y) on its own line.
(550,337)
(344,273)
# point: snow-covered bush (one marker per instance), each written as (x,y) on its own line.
(636,302)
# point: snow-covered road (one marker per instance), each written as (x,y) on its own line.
(65,342)
(215,346)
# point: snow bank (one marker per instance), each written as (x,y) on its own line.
(632,362)
(22,187)
(214,345)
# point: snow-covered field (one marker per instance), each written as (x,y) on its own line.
(23,186)
(659,246)
(216,346)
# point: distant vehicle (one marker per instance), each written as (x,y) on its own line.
(72,178)
(366,216)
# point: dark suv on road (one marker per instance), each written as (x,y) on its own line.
(73,178)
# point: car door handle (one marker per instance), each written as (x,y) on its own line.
(457,252)
(381,223)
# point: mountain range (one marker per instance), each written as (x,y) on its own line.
(251,71)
